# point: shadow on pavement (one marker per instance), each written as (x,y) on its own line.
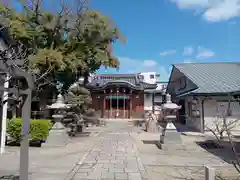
(223,151)
(10,177)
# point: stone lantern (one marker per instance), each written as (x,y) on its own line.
(58,134)
(170,135)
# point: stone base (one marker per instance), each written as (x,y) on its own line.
(172,147)
(57,137)
(172,137)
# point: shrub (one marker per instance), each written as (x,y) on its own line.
(39,129)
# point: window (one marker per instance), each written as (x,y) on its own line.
(151,76)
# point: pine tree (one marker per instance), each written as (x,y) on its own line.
(78,98)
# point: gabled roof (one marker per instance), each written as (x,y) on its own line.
(217,77)
(101,81)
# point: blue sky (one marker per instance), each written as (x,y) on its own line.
(163,32)
(160,33)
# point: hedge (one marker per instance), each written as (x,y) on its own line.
(39,129)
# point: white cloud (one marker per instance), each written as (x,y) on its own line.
(204,53)
(188,61)
(149,63)
(188,51)
(213,10)
(129,65)
(168,52)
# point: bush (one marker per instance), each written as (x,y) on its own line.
(39,129)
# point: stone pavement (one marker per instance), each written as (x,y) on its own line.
(115,152)
(48,163)
(110,154)
(113,157)
(185,163)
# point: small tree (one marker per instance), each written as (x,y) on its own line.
(79,99)
(222,125)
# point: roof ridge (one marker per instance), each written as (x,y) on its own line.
(216,62)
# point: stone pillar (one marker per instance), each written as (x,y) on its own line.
(201,111)
(124,103)
(130,106)
(104,105)
(117,114)
(103,108)
(111,103)
(209,173)
(153,104)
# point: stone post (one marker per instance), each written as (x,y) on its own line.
(209,173)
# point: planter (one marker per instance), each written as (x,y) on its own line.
(32,143)
(35,143)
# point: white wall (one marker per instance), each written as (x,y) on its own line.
(212,108)
(147,100)
(147,77)
(158,98)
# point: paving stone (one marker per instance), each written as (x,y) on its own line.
(100,170)
(116,170)
(109,165)
(97,166)
(90,162)
(119,165)
(103,161)
(104,158)
(86,166)
(94,176)
(80,176)
(121,176)
(134,176)
(131,170)
(119,161)
(107,175)
(85,170)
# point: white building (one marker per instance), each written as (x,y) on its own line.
(205,90)
(159,92)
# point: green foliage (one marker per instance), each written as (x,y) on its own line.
(39,128)
(79,98)
(72,43)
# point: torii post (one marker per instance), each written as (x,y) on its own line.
(26,92)
(11,67)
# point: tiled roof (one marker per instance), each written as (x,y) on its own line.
(212,77)
(101,80)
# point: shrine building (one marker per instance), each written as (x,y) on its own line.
(122,96)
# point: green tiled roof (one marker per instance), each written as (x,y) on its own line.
(212,77)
